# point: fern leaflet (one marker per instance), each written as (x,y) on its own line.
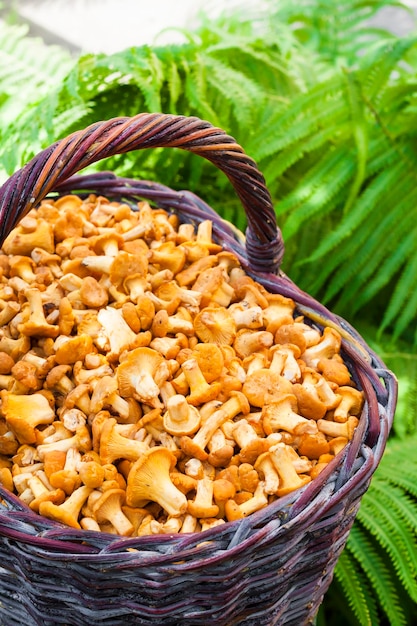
(370,558)
(350,580)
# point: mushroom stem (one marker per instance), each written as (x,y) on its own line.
(37,324)
(149,479)
(284,361)
(251,446)
(108,508)
(236,404)
(236,511)
(181,418)
(200,390)
(283,461)
(280,415)
(203,506)
(68,512)
(338,429)
(114,446)
(266,468)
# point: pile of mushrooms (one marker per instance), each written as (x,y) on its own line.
(148,384)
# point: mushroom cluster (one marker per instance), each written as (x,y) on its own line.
(147,383)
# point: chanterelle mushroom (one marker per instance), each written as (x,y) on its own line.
(181,418)
(109,508)
(24,413)
(69,511)
(114,446)
(141,374)
(215,325)
(149,480)
(37,325)
(119,334)
(280,415)
(263,386)
(23,240)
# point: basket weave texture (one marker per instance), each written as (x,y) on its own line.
(272,567)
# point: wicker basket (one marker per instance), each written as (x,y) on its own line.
(272,567)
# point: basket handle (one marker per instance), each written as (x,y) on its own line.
(54,165)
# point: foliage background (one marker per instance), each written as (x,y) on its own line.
(327,105)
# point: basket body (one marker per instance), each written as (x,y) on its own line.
(271,568)
(277,575)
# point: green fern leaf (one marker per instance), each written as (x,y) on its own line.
(148,73)
(305,116)
(395,499)
(196,89)
(305,136)
(360,134)
(356,253)
(137,66)
(245,55)
(395,538)
(363,207)
(174,81)
(335,30)
(399,459)
(377,66)
(315,192)
(240,91)
(403,303)
(279,163)
(401,360)
(387,269)
(405,480)
(350,580)
(28,70)
(379,576)
(365,258)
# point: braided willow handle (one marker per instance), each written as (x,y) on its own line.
(54,165)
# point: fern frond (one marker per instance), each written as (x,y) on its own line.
(403,361)
(317,189)
(335,29)
(364,206)
(303,117)
(363,260)
(28,70)
(352,261)
(148,75)
(387,269)
(394,498)
(403,478)
(351,582)
(381,550)
(303,245)
(278,164)
(399,463)
(245,53)
(400,357)
(361,548)
(360,135)
(235,88)
(395,539)
(174,82)
(318,128)
(389,514)
(26,62)
(403,303)
(136,66)
(378,65)
(195,88)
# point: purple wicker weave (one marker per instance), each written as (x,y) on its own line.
(270,568)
